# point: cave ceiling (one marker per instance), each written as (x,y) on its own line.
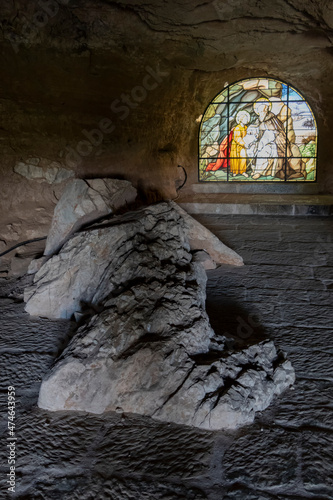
(80,54)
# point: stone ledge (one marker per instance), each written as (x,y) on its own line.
(254,204)
(257,188)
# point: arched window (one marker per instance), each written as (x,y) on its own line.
(257,130)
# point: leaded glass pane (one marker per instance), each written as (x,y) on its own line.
(294,95)
(258,129)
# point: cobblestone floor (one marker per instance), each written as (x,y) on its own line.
(284,292)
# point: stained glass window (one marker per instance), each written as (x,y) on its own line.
(256,130)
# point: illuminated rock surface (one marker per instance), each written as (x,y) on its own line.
(200,238)
(84,201)
(96,262)
(150,348)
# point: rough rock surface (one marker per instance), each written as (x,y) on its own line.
(84,201)
(102,371)
(201,238)
(21,258)
(78,276)
(150,350)
(205,259)
(285,454)
(45,171)
(36,264)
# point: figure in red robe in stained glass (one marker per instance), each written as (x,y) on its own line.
(224,153)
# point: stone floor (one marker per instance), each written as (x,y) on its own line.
(285,292)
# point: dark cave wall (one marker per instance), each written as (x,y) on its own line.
(68,64)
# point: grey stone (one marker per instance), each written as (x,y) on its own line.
(121,456)
(33,161)
(21,259)
(308,405)
(51,172)
(266,469)
(317,471)
(119,488)
(20,328)
(202,257)
(200,238)
(229,391)
(60,289)
(84,201)
(32,367)
(36,264)
(148,349)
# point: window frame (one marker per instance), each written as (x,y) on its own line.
(250,180)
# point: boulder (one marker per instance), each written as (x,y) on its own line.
(204,259)
(148,346)
(75,278)
(159,378)
(96,262)
(84,201)
(200,238)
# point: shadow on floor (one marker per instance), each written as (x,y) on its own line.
(232,320)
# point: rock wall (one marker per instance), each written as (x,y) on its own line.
(101,89)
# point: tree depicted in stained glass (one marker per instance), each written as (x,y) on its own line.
(258,130)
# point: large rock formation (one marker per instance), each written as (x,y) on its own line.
(150,348)
(76,277)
